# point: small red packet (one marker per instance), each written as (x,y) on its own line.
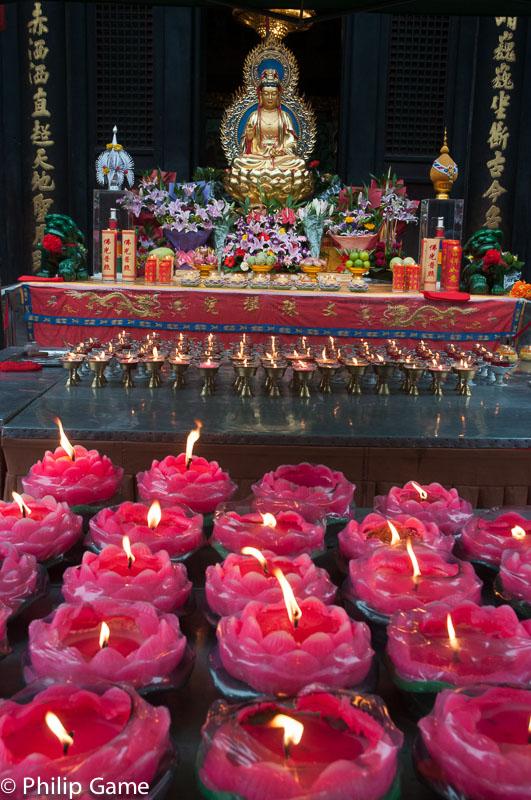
(453,297)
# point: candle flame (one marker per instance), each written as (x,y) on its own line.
(126,544)
(355,362)
(269,520)
(104,635)
(24,510)
(422,494)
(416,569)
(395,536)
(154,515)
(323,354)
(255,553)
(193,436)
(517,531)
(292,607)
(529,727)
(451,632)
(295,353)
(57,727)
(155,353)
(244,362)
(293,729)
(301,364)
(65,444)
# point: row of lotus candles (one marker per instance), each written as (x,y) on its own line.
(279,631)
(328,359)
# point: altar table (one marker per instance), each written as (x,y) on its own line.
(57,314)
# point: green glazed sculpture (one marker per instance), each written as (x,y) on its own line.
(63,251)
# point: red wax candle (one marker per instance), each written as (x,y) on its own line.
(515,573)
(383,581)
(485,537)
(348,748)
(178,532)
(143,647)
(241,578)
(45,529)
(460,644)
(149,578)
(117,737)
(264,649)
(477,742)
(87,478)
(20,577)
(326,493)
(431,503)
(285,533)
(201,486)
(359,538)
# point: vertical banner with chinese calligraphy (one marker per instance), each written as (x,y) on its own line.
(44,135)
(495,126)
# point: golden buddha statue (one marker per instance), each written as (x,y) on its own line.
(262,142)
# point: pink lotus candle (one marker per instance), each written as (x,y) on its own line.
(107,640)
(268,651)
(460,644)
(390,579)
(285,533)
(128,574)
(485,537)
(42,528)
(188,479)
(477,742)
(431,503)
(73,474)
(20,577)
(337,746)
(515,573)
(327,493)
(5,613)
(116,736)
(359,538)
(176,531)
(241,578)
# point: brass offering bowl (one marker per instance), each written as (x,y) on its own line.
(355,371)
(208,373)
(414,373)
(383,372)
(273,375)
(127,368)
(97,366)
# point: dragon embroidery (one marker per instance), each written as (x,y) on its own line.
(142,305)
(400,316)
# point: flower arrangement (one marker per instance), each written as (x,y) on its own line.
(193,258)
(521,289)
(355,217)
(265,233)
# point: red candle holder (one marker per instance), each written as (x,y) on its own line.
(475,743)
(22,580)
(179,532)
(87,478)
(145,577)
(327,491)
(200,484)
(442,506)
(264,651)
(241,578)
(46,530)
(446,645)
(359,538)
(145,648)
(485,536)
(117,736)
(383,581)
(348,740)
(285,533)
(513,584)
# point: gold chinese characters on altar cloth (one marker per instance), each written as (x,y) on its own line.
(268,132)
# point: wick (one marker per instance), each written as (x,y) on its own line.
(189,462)
(130,564)
(104,645)
(23,513)
(266,571)
(67,744)
(287,754)
(455,657)
(296,623)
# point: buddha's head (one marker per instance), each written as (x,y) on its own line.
(269,89)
